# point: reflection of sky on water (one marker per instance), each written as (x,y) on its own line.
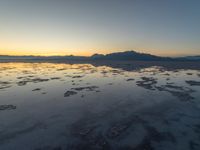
(122,107)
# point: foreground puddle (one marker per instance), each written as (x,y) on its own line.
(49,106)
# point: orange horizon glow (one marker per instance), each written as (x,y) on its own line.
(84,52)
(43,53)
(83,28)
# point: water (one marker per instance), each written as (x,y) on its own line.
(58,106)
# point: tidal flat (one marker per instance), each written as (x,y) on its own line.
(99,106)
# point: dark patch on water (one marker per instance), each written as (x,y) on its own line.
(193,145)
(183,94)
(117,129)
(50,148)
(79,76)
(147,83)
(193,83)
(166,74)
(88,88)
(61,69)
(171,86)
(25,77)
(55,78)
(91,136)
(130,79)
(69,93)
(5,84)
(7,107)
(37,89)
(29,80)
(189,74)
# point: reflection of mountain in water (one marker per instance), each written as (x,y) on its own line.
(135,65)
(129,60)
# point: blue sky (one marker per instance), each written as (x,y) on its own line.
(84,27)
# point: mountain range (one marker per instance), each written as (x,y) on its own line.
(127,55)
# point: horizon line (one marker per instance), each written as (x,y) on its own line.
(94,54)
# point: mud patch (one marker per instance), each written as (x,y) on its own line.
(147,83)
(193,83)
(29,80)
(69,93)
(183,94)
(50,148)
(77,76)
(7,107)
(5,85)
(189,73)
(88,88)
(37,89)
(55,78)
(130,79)
(117,129)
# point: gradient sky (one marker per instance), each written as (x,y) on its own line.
(84,27)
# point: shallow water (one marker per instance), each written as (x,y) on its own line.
(57,106)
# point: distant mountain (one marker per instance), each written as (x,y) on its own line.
(191,58)
(130,55)
(70,57)
(127,55)
(97,56)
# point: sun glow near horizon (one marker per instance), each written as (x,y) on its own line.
(86,27)
(43,52)
(84,52)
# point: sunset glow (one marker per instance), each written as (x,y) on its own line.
(84,28)
(100,74)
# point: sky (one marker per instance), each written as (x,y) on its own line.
(85,27)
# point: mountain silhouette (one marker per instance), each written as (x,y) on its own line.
(121,56)
(130,55)
(190,58)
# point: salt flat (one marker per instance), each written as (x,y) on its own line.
(99,105)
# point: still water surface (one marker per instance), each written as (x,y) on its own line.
(54,106)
